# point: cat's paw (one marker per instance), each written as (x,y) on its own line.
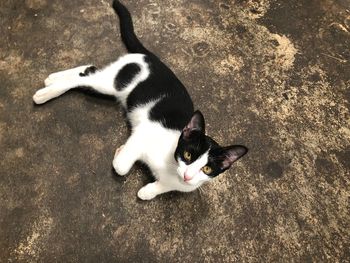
(147,192)
(48,81)
(118,151)
(55,77)
(120,167)
(43,95)
(119,164)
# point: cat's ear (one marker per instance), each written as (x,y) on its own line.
(231,154)
(195,124)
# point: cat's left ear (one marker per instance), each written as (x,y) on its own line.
(231,154)
(195,124)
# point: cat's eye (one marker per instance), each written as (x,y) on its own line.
(207,170)
(187,156)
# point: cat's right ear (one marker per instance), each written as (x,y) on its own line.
(195,124)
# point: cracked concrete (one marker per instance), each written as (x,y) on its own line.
(273,75)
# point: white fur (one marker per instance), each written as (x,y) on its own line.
(102,80)
(194,170)
(141,146)
(69,73)
(145,133)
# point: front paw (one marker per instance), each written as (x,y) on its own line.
(147,192)
(120,168)
(119,164)
(118,151)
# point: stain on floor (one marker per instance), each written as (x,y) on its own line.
(273,75)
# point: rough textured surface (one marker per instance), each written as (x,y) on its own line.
(274,75)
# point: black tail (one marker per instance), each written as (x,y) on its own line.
(129,38)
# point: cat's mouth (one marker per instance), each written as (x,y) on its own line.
(188,183)
(182,178)
(184,181)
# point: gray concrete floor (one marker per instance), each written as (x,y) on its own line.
(273,75)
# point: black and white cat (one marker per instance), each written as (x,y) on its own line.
(166,133)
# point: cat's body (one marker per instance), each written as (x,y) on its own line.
(165,132)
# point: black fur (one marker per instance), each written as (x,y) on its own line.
(128,36)
(198,143)
(219,157)
(175,107)
(126,75)
(88,71)
(174,110)
(194,141)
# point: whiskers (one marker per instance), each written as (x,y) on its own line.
(201,190)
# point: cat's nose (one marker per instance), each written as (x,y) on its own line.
(187,177)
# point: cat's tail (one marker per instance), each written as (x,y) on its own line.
(129,38)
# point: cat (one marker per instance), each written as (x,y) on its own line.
(166,133)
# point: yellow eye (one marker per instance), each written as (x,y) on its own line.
(207,170)
(187,156)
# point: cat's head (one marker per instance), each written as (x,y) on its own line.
(199,157)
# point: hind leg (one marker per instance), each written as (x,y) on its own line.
(50,92)
(66,74)
(84,76)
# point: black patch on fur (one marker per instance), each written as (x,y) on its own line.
(215,159)
(218,155)
(126,75)
(175,107)
(197,144)
(92,92)
(127,33)
(88,71)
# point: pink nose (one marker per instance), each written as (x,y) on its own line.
(187,177)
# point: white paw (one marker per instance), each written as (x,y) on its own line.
(118,151)
(54,77)
(147,192)
(43,95)
(120,165)
(49,80)
(120,168)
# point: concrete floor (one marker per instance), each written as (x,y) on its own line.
(273,75)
